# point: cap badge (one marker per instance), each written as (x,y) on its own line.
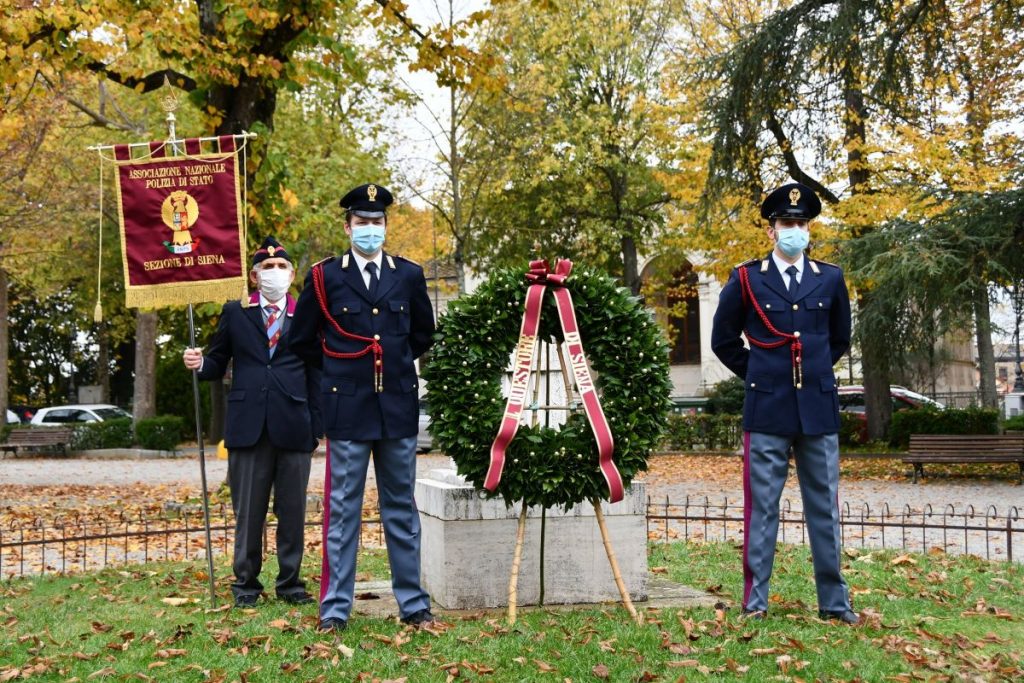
(271,250)
(371,192)
(794,196)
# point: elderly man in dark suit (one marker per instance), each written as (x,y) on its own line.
(366,316)
(795,314)
(273,423)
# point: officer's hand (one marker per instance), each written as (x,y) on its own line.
(193,358)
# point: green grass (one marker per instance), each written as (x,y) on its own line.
(935,617)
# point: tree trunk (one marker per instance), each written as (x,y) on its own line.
(145,365)
(874,357)
(630,272)
(986,354)
(103,362)
(5,375)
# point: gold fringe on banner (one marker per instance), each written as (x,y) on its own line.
(181,293)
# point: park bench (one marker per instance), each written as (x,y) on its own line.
(46,437)
(965,448)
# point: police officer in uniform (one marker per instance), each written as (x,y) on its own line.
(795,315)
(273,423)
(365,317)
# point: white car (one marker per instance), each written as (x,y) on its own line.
(12,417)
(75,414)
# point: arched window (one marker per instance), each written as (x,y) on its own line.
(677,306)
(683,306)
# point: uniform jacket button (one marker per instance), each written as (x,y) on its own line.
(376,337)
(767,305)
(376,311)
(753,385)
(345,309)
(796,307)
(819,304)
(334,389)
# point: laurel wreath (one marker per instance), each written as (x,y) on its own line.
(548,466)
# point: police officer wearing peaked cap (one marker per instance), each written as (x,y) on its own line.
(365,318)
(791,403)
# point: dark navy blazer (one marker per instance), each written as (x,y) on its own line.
(279,392)
(820,311)
(400,314)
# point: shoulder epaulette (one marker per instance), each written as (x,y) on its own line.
(390,260)
(747,263)
(322,261)
(825,263)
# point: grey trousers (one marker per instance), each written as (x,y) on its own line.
(252,473)
(765,467)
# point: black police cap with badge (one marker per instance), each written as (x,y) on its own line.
(270,249)
(367,201)
(794,200)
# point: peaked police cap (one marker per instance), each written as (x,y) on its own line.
(368,201)
(794,200)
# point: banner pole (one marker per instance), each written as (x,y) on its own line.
(202,460)
(170,105)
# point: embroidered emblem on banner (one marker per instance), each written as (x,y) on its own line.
(180,211)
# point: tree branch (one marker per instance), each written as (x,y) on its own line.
(792,165)
(149,82)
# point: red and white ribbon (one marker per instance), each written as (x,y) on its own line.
(540,277)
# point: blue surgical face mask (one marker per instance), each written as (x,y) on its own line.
(792,241)
(368,238)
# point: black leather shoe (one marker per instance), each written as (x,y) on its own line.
(419,619)
(847,617)
(755,614)
(246,600)
(332,624)
(302,598)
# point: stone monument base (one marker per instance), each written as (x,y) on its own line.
(468,542)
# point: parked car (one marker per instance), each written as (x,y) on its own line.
(12,417)
(424,441)
(96,412)
(851,400)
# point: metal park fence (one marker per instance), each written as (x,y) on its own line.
(987,533)
(78,544)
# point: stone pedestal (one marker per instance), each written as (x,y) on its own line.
(468,544)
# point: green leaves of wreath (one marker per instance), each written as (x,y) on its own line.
(547,465)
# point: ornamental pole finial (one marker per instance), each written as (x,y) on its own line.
(169,103)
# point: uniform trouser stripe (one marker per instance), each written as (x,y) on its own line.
(325,566)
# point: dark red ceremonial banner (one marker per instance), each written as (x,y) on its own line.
(182,238)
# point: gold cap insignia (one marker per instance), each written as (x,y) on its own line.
(271,250)
(371,192)
(794,196)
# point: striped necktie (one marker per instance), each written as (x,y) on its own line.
(273,326)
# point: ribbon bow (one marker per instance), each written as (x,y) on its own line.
(540,274)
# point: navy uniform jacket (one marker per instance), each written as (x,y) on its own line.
(400,314)
(280,393)
(820,312)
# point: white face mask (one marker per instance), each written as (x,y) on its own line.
(274,283)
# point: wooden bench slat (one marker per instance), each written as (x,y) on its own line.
(34,438)
(965,448)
